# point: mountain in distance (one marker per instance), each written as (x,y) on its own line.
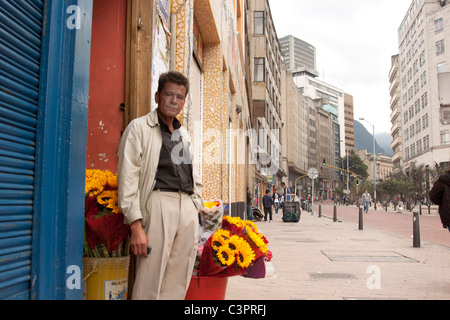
(385,140)
(364,141)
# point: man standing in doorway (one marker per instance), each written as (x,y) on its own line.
(159,195)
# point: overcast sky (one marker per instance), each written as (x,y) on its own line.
(354,41)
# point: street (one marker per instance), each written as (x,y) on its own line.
(319,259)
(400,223)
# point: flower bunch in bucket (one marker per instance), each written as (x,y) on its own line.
(105,234)
(235,248)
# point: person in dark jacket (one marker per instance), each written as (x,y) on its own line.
(440,195)
(267,203)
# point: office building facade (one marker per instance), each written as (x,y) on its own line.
(424,58)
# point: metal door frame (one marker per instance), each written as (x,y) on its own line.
(58,215)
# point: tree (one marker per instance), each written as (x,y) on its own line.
(356,165)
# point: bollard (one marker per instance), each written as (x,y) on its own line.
(320,211)
(335,214)
(416,230)
(361,225)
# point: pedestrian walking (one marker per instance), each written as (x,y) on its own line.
(440,195)
(267,203)
(161,209)
(276,202)
(366,198)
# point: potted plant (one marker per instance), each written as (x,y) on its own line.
(106,239)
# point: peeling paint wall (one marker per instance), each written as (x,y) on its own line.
(107,90)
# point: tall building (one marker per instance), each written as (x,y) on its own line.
(425,81)
(294,132)
(396,114)
(349,124)
(266,65)
(297,53)
(333,102)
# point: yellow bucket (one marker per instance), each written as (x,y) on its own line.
(105,278)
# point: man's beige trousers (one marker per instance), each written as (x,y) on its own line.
(173,234)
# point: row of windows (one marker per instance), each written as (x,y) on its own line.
(414,6)
(413,70)
(424,144)
(414,48)
(417,127)
(417,147)
(414,26)
(415,108)
(415,88)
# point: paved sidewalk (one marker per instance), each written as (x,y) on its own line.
(318,259)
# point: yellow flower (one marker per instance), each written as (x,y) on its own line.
(252,225)
(234,243)
(108,199)
(235,220)
(245,255)
(256,239)
(96,180)
(211,204)
(219,238)
(226,256)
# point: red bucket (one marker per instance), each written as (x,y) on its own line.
(207,288)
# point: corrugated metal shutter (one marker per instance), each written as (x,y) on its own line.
(20,46)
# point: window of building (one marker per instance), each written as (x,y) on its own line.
(445,137)
(425,121)
(441,67)
(424,100)
(259,22)
(417,106)
(419,146)
(423,79)
(440,47)
(426,143)
(422,58)
(416,66)
(411,112)
(259,70)
(438,25)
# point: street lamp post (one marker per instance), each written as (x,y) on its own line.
(374,164)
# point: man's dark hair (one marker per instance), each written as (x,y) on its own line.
(173,77)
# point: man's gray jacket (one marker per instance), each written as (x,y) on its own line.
(138,154)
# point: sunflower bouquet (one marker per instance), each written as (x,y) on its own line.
(105,235)
(237,248)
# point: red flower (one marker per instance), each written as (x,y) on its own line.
(108,229)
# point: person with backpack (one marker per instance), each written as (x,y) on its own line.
(440,195)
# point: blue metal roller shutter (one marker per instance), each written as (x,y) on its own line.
(20,52)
